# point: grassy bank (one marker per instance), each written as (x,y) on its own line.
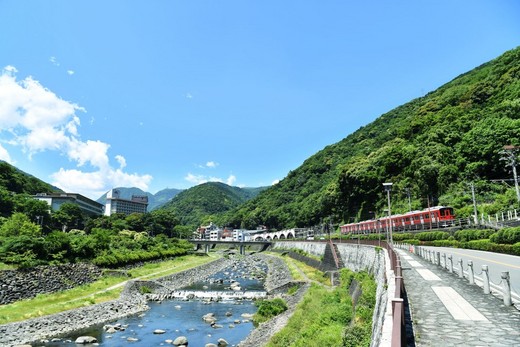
(327,318)
(105,289)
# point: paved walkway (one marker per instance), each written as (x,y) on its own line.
(447,311)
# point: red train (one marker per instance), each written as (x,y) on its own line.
(438,216)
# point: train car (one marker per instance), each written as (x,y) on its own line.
(433,217)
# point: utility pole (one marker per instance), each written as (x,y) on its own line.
(388,188)
(409,201)
(475,215)
(510,154)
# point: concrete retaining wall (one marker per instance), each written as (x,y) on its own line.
(358,258)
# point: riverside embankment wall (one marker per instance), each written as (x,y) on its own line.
(21,284)
(357,258)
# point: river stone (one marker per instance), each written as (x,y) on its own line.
(132,339)
(83,340)
(159,331)
(111,330)
(222,343)
(210,345)
(180,341)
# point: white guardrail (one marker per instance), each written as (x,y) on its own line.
(503,289)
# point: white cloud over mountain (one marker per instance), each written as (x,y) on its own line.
(34,119)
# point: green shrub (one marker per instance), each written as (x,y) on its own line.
(482,245)
(432,235)
(268,309)
(145,290)
(506,236)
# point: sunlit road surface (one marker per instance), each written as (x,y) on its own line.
(496,263)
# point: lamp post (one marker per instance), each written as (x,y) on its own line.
(388,189)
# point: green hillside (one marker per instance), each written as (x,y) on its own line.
(205,202)
(14,182)
(431,147)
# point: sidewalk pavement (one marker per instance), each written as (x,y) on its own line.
(447,311)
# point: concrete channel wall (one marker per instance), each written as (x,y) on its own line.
(358,258)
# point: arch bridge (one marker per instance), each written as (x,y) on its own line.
(241,245)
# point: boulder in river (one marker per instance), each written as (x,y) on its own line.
(83,340)
(180,341)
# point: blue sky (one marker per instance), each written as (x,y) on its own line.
(170,94)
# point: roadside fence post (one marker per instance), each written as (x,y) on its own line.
(438,256)
(450,266)
(506,288)
(444,260)
(461,270)
(485,278)
(471,275)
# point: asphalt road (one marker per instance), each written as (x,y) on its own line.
(496,263)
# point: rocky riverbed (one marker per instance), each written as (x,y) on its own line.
(131,302)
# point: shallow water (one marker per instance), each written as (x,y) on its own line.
(184,318)
(184,321)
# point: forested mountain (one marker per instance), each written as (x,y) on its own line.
(154,200)
(16,181)
(205,202)
(431,148)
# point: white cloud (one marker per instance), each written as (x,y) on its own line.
(189,96)
(70,72)
(231,180)
(37,120)
(275,182)
(196,179)
(54,61)
(4,155)
(211,164)
(121,160)
(199,179)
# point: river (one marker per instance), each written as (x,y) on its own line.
(184,318)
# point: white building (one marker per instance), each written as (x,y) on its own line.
(116,204)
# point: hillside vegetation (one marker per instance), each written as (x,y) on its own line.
(205,202)
(431,147)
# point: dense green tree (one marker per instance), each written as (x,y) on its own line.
(68,216)
(19,224)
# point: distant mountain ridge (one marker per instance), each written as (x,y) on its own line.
(154,200)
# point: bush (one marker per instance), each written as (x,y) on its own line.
(506,236)
(473,234)
(268,309)
(432,235)
(482,245)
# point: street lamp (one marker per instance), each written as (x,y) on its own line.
(388,189)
